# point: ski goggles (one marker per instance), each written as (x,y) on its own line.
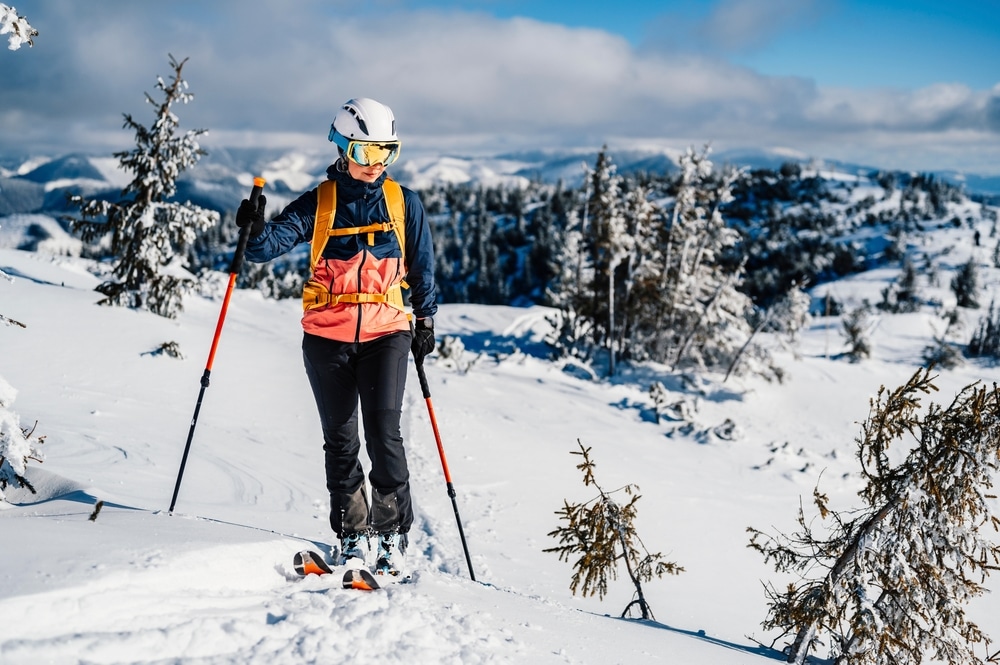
(366,153)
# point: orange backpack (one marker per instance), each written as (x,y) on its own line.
(316,295)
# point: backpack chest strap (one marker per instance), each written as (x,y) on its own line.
(371,230)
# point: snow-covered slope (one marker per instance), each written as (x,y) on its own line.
(213,582)
(37,233)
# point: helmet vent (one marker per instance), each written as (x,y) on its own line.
(361,121)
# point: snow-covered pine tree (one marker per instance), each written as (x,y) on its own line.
(889,581)
(985,341)
(965,285)
(902,295)
(639,272)
(450,258)
(485,284)
(17,446)
(607,244)
(944,352)
(546,228)
(17,28)
(857,329)
(602,532)
(149,232)
(572,332)
(791,312)
(704,316)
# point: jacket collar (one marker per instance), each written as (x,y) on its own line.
(350,188)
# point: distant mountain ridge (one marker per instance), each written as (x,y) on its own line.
(222,177)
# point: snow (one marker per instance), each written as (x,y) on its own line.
(17,28)
(295,169)
(41,233)
(111,170)
(213,583)
(422,172)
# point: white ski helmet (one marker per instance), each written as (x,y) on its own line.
(363,119)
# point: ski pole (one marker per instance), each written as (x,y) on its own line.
(425,388)
(234,271)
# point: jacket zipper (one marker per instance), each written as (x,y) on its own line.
(364,255)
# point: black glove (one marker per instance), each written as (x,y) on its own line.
(423,339)
(251,216)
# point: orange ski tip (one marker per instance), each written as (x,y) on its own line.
(259,182)
(310,568)
(361,584)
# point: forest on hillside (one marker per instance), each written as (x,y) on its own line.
(680,268)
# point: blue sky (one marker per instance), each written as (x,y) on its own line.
(911,85)
(836,43)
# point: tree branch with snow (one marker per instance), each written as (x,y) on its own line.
(3,319)
(17,446)
(17,28)
(895,574)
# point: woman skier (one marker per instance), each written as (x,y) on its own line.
(367,234)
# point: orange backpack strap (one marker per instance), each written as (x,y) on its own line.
(326,208)
(393,194)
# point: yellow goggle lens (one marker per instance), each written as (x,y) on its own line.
(368,154)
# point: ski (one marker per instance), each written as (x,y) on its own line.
(308,562)
(360,578)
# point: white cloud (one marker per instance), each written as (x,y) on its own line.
(264,70)
(739,25)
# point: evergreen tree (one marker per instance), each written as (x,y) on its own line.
(606,244)
(148,232)
(857,329)
(985,340)
(451,259)
(485,279)
(965,285)
(792,312)
(943,352)
(572,334)
(889,582)
(703,321)
(649,289)
(639,274)
(602,532)
(901,296)
(546,228)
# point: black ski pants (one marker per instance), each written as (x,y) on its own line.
(373,373)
